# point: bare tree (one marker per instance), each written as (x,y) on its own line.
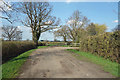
(75,28)
(62,32)
(76,23)
(38,18)
(11,33)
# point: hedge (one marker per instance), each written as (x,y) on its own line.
(105,45)
(12,49)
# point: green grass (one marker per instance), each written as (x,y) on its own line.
(107,65)
(65,45)
(59,45)
(52,44)
(11,68)
(42,47)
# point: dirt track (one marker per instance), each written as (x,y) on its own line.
(54,62)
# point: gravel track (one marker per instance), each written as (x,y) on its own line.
(55,62)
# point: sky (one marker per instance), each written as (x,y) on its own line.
(97,12)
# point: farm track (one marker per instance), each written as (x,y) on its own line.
(55,62)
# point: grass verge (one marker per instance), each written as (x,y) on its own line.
(10,69)
(65,46)
(107,65)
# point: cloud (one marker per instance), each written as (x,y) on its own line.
(49,22)
(73,21)
(116,21)
(27,34)
(24,29)
(79,23)
(70,21)
(68,1)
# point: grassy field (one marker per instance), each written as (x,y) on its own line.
(10,69)
(107,65)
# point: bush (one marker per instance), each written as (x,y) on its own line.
(12,49)
(105,45)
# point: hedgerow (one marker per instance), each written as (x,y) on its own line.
(12,49)
(105,45)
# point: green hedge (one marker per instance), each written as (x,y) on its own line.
(105,45)
(12,49)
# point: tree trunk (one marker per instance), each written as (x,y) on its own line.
(35,41)
(36,37)
(65,39)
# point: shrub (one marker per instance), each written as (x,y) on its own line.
(105,45)
(41,44)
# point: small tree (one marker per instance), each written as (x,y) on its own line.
(96,29)
(91,29)
(11,33)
